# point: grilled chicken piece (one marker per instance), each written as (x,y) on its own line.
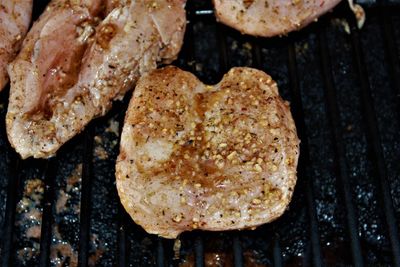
(195,156)
(70,72)
(15,17)
(270,17)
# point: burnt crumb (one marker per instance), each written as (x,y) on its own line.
(100,153)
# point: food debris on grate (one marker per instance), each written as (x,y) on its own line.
(28,221)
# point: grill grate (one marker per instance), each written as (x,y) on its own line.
(341,168)
(345,210)
(304,160)
(376,147)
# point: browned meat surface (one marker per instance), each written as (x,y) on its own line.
(270,17)
(15,16)
(72,67)
(195,156)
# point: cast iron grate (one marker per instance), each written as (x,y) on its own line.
(344,91)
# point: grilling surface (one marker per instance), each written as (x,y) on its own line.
(344,93)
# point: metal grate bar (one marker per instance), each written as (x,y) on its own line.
(204,12)
(277,252)
(391,53)
(366,2)
(9,220)
(304,160)
(237,251)
(256,55)
(199,251)
(375,146)
(122,217)
(223,53)
(47,219)
(343,178)
(160,260)
(187,49)
(122,255)
(188,46)
(86,185)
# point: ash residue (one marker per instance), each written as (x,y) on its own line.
(65,233)
(28,222)
(107,142)
(65,242)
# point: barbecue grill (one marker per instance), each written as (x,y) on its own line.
(344,88)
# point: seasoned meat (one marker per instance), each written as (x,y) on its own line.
(71,69)
(270,17)
(15,16)
(195,156)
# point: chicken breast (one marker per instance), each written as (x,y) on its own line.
(15,17)
(71,69)
(270,17)
(195,156)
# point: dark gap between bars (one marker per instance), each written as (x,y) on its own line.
(14,181)
(304,160)
(199,251)
(339,150)
(375,146)
(160,260)
(237,251)
(84,227)
(222,49)
(47,219)
(277,253)
(122,239)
